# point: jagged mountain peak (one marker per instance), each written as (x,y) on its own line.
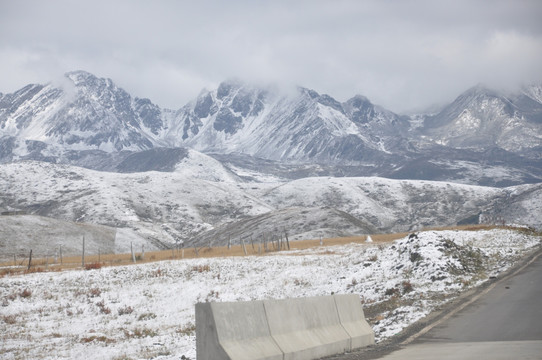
(357,100)
(78,76)
(226,87)
(482,118)
(84,79)
(473,102)
(103,88)
(83,113)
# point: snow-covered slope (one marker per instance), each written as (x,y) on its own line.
(147,311)
(202,195)
(48,237)
(389,205)
(163,206)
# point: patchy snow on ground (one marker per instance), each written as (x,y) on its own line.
(147,311)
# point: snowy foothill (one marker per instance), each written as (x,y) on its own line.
(147,310)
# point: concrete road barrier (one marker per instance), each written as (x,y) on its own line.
(297,329)
(234,330)
(307,328)
(353,320)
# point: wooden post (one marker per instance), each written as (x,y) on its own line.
(142,252)
(47,261)
(83,256)
(14,260)
(244,247)
(287,241)
(60,254)
(132,250)
(99,255)
(30,260)
(229,243)
(196,250)
(321,241)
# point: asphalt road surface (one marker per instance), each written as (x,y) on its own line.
(504,323)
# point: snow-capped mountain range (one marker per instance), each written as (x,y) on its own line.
(90,122)
(244,160)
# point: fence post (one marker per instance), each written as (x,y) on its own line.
(83,257)
(244,247)
(132,250)
(60,254)
(30,260)
(287,241)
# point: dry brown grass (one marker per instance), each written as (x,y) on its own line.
(474,227)
(98,261)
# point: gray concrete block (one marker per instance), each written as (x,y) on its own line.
(239,331)
(353,320)
(207,344)
(307,328)
(296,329)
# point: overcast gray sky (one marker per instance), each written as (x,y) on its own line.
(402,55)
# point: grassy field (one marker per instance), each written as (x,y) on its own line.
(93,261)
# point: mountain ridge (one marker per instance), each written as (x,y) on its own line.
(202,201)
(91,122)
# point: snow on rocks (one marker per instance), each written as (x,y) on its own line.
(147,310)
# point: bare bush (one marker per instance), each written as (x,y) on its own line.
(126,310)
(94,292)
(201,268)
(93,266)
(26,293)
(9,319)
(187,330)
(407,286)
(146,316)
(103,308)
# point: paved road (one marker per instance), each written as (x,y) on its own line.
(505,323)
